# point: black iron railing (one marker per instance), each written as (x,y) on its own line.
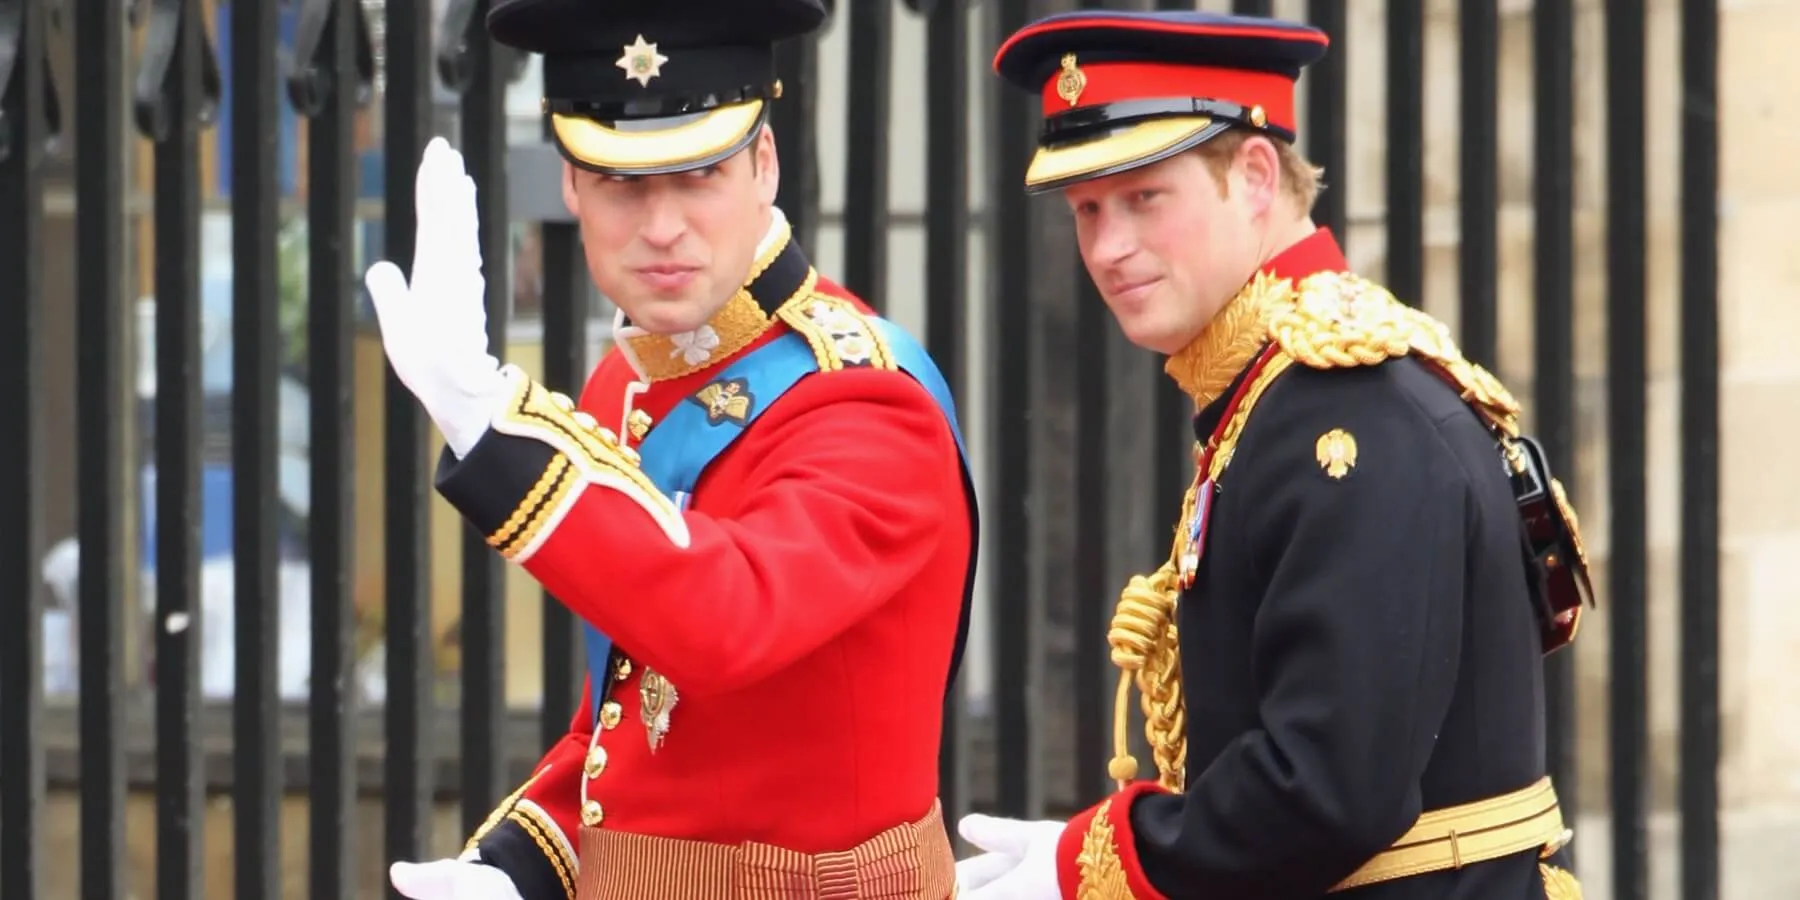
(1085,444)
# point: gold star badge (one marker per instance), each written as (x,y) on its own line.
(1336,452)
(641,62)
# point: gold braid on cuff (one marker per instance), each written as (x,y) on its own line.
(587,454)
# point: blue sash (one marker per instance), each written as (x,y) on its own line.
(677,451)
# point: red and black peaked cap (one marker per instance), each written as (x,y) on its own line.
(648,87)
(1125,89)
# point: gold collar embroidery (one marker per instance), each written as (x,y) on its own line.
(1208,365)
(778,276)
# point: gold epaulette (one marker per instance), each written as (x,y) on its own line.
(841,336)
(1335,320)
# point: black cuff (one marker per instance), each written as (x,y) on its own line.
(535,861)
(506,487)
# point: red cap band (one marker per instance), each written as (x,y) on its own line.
(1111,82)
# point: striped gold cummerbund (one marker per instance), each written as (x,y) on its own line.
(912,861)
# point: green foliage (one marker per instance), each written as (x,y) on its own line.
(290,259)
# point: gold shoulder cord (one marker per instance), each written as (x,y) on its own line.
(1330,320)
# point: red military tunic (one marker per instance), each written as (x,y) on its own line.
(805,607)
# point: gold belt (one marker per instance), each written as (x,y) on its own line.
(1475,832)
(912,861)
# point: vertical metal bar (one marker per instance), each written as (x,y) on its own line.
(100,458)
(21,280)
(1406,150)
(330,215)
(172,104)
(256,347)
(795,121)
(567,307)
(1699,790)
(1088,570)
(947,288)
(1625,414)
(1479,271)
(1173,431)
(406,125)
(483,576)
(866,181)
(1092,611)
(1250,7)
(1016,628)
(1553,365)
(1327,127)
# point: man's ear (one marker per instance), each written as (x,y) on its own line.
(768,166)
(568,189)
(1259,167)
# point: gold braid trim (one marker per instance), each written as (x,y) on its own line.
(1145,641)
(1211,362)
(1102,873)
(500,812)
(840,335)
(591,454)
(735,326)
(1145,647)
(544,832)
(1559,883)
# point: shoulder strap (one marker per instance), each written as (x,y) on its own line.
(704,424)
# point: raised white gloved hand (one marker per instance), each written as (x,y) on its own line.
(451,879)
(435,329)
(1020,862)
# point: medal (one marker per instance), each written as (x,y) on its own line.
(1188,564)
(656,697)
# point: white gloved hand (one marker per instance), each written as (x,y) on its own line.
(435,329)
(451,879)
(977,871)
(1030,847)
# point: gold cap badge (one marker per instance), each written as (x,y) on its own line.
(1336,452)
(641,62)
(1072,81)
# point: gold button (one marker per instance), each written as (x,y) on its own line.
(591,814)
(639,423)
(610,714)
(586,419)
(596,762)
(622,671)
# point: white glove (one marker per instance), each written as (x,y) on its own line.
(435,330)
(977,871)
(451,879)
(1020,862)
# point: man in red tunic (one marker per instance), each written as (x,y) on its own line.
(1341,659)
(759,508)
